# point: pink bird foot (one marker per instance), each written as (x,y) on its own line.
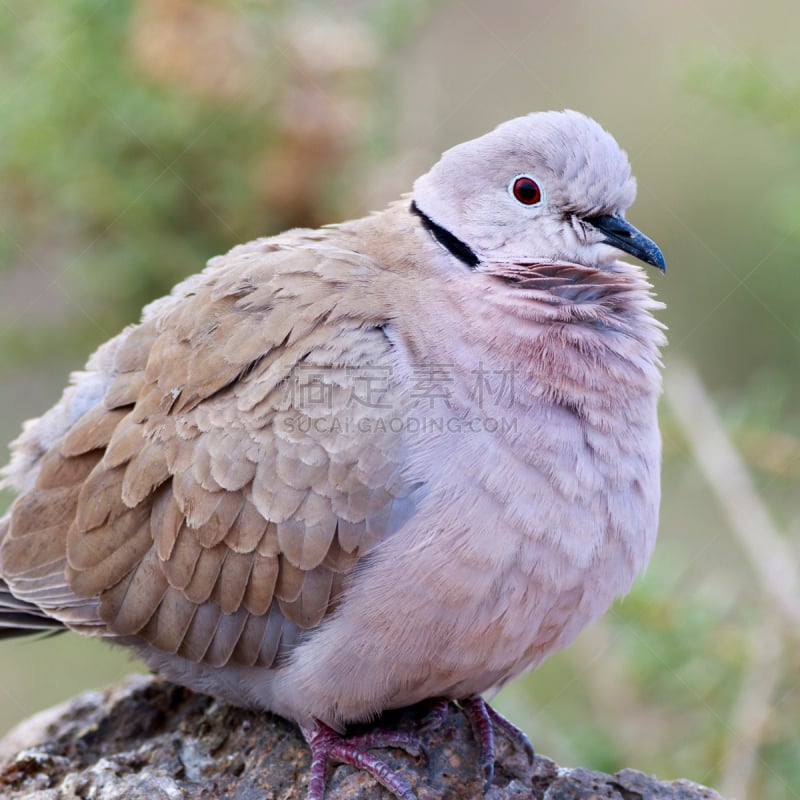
(484,721)
(328,746)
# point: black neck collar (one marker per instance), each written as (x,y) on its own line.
(459,249)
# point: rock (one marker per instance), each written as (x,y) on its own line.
(146,739)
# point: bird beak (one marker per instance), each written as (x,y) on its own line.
(622,235)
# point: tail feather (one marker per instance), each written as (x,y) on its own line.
(17,617)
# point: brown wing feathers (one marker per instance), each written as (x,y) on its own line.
(180,509)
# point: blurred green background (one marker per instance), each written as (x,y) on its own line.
(141,137)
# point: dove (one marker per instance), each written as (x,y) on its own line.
(399,459)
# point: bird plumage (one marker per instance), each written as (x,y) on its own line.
(344,470)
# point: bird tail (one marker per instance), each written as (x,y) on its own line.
(18,617)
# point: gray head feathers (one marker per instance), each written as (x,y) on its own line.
(579,168)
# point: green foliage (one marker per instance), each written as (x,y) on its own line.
(749,86)
(104,155)
(130,176)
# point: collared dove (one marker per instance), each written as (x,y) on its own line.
(346,470)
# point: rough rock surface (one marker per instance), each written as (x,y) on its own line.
(149,739)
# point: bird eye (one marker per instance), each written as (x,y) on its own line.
(525,190)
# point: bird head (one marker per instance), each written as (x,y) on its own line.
(547,186)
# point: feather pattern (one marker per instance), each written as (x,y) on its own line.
(194,494)
(345,470)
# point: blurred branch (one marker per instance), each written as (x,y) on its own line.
(769,554)
(773,452)
(753,709)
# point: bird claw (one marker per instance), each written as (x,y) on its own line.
(484,720)
(433,719)
(512,733)
(328,746)
(378,739)
(477,713)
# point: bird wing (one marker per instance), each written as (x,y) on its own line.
(216,499)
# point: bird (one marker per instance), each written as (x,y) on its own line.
(395,460)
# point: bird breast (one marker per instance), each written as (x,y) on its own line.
(539,506)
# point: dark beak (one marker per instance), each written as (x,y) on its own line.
(622,235)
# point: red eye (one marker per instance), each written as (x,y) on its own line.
(526,191)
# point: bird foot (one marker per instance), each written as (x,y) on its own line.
(328,746)
(435,716)
(484,721)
